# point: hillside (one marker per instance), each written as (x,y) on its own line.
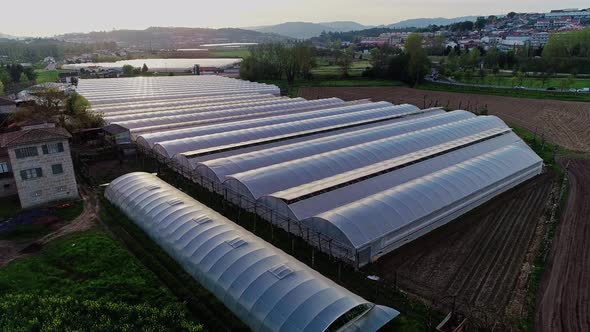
(171,37)
(424,22)
(346,26)
(5,36)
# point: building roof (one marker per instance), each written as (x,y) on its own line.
(33,136)
(115,129)
(6,102)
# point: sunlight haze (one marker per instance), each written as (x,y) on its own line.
(48,18)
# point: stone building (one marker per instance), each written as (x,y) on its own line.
(40,164)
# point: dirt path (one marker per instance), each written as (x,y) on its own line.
(83,222)
(564,295)
(11,250)
(565,123)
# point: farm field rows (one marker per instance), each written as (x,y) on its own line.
(564,123)
(564,295)
(476,262)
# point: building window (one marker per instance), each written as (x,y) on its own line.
(31,173)
(52,148)
(29,151)
(57,169)
(4,168)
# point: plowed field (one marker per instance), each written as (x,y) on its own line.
(562,122)
(564,296)
(478,261)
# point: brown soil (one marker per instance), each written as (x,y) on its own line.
(565,123)
(564,296)
(475,263)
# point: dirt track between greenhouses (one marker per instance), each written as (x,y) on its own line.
(565,123)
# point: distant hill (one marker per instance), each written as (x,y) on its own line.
(424,22)
(5,36)
(343,26)
(170,37)
(305,30)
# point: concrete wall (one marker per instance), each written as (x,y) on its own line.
(49,187)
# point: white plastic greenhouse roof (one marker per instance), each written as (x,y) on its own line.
(214,142)
(247,161)
(282,104)
(156,105)
(266,288)
(329,200)
(234,119)
(277,177)
(108,91)
(394,210)
(211,110)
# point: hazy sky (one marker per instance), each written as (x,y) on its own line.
(50,17)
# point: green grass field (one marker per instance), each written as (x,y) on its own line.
(44,76)
(78,281)
(529,82)
(229,53)
(325,70)
(566,96)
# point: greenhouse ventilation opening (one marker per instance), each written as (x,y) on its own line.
(263,286)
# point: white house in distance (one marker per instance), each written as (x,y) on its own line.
(38,160)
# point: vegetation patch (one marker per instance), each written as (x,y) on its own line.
(82,279)
(517,93)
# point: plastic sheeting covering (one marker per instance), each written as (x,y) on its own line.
(332,199)
(279,112)
(157,105)
(266,288)
(247,161)
(198,144)
(398,212)
(216,107)
(109,91)
(296,103)
(267,180)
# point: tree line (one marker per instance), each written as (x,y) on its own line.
(409,65)
(36,50)
(15,77)
(275,61)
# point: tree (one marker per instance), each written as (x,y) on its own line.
(418,63)
(568,82)
(144,69)
(127,70)
(480,23)
(1,88)
(69,110)
(346,59)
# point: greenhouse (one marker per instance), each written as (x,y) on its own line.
(207,144)
(263,286)
(277,177)
(218,169)
(365,176)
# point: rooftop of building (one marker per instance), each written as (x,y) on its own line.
(36,135)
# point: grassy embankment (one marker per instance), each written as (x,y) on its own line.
(517,93)
(529,82)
